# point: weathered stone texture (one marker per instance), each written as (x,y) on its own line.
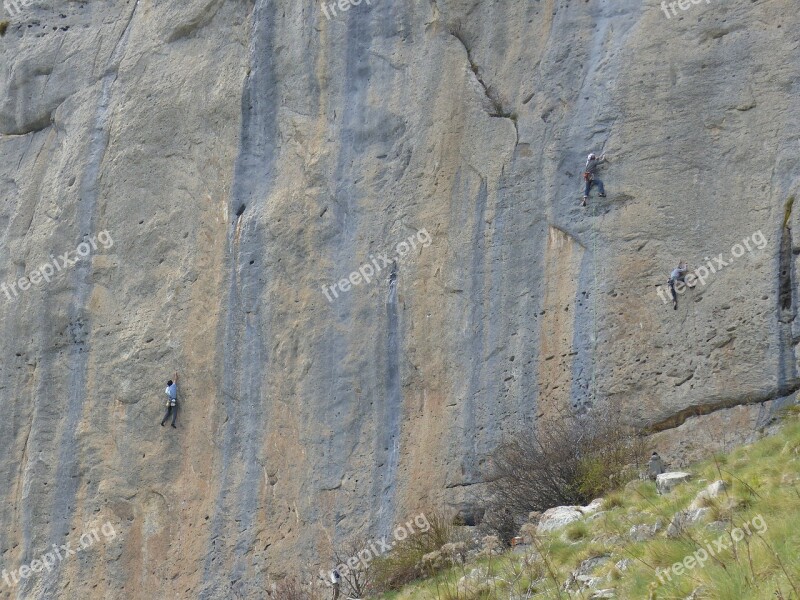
(243,155)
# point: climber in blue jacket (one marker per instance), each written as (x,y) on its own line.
(172,400)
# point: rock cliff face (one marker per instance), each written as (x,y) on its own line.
(227,165)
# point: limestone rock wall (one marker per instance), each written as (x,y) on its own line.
(243,157)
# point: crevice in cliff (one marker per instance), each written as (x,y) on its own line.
(466,484)
(122,42)
(700,410)
(23,463)
(197,22)
(33,127)
(786,308)
(499,111)
(786,265)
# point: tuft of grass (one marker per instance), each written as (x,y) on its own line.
(4,27)
(577,531)
(614,500)
(787,211)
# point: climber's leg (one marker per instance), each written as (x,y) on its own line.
(674,294)
(166,415)
(600,188)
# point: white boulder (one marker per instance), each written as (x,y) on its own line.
(683,519)
(557,518)
(666,482)
(714,490)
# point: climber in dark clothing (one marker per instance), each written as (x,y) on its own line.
(172,400)
(590,177)
(677,275)
(335,579)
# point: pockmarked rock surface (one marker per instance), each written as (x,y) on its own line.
(245,157)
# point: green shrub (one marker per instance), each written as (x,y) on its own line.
(592,476)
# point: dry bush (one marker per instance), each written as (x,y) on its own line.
(357,582)
(405,562)
(292,589)
(566,460)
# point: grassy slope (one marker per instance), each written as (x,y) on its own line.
(763,479)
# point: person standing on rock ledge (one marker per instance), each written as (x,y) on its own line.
(172,400)
(589,176)
(335,579)
(655,467)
